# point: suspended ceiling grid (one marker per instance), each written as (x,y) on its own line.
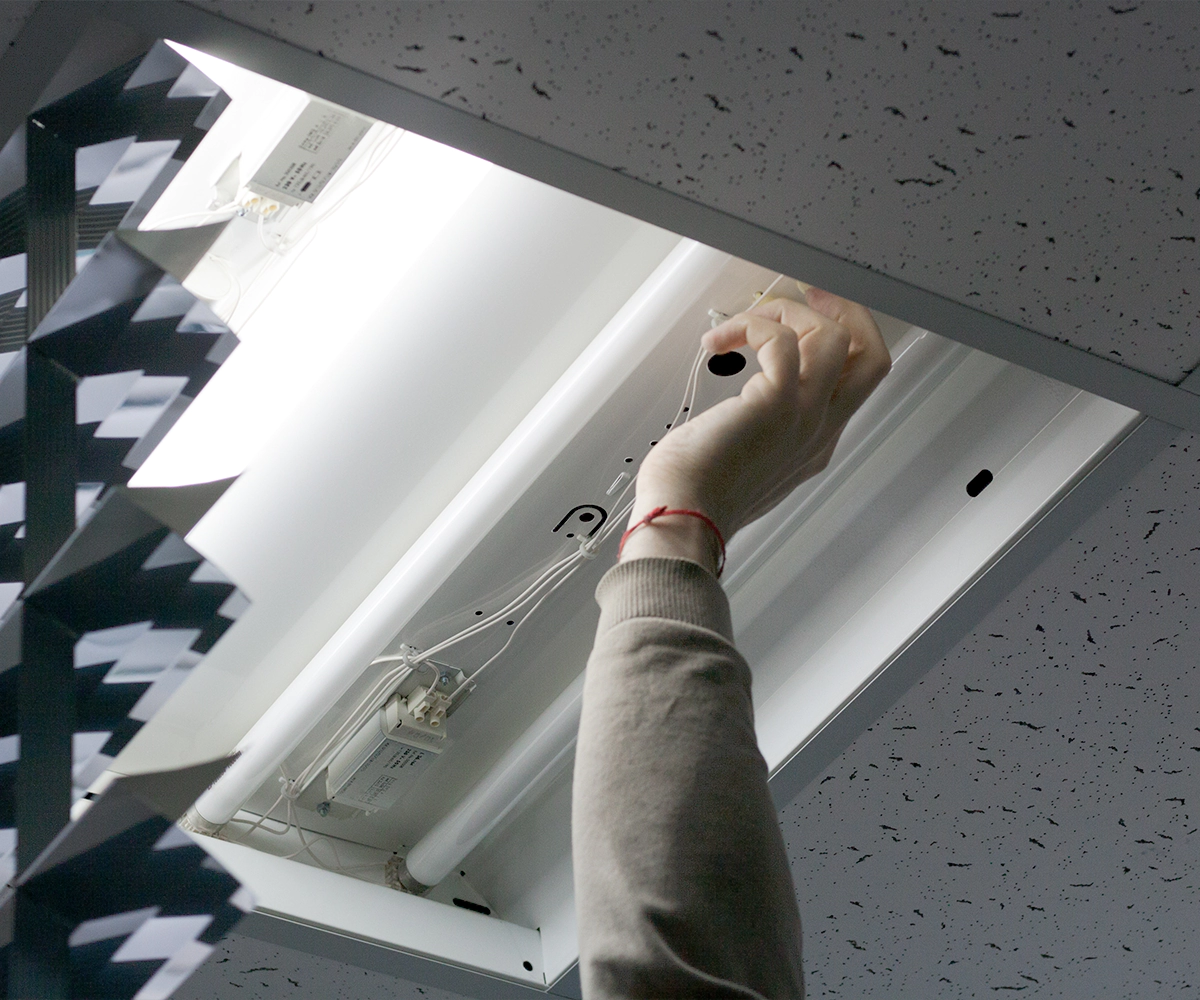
(1038,161)
(247,969)
(1117,552)
(1025,818)
(12,18)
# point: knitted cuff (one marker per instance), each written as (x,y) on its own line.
(675,589)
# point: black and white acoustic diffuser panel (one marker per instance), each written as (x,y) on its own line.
(142,904)
(106,608)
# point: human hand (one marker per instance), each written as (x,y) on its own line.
(738,459)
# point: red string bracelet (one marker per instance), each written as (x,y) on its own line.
(665,511)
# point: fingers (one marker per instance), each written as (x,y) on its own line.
(728,336)
(850,314)
(806,355)
(822,358)
(731,334)
(867,359)
(774,342)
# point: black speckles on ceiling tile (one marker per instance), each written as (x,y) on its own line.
(12,19)
(1042,167)
(243,968)
(1026,818)
(1028,815)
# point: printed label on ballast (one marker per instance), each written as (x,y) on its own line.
(385,774)
(413,734)
(311,152)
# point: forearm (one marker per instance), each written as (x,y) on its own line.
(682,884)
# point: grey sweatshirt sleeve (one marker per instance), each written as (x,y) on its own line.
(681,880)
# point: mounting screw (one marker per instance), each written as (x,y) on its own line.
(445,680)
(323,809)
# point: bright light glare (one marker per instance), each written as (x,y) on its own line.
(260,111)
(318,299)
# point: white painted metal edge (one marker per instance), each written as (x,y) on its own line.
(382,916)
(600,183)
(962,551)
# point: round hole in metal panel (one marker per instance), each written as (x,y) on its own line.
(726,364)
(979,483)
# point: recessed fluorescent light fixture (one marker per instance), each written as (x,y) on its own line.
(447,379)
(304,262)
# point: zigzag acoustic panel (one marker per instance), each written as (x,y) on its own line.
(119,904)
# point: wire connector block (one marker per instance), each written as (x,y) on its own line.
(428,706)
(258,205)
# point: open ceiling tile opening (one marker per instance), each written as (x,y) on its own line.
(447,377)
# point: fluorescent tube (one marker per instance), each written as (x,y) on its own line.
(615,353)
(922,361)
(297,304)
(544,750)
(316,309)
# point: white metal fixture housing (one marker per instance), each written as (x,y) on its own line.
(448,378)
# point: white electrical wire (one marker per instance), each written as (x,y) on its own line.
(292,822)
(360,715)
(235,285)
(534,595)
(388,681)
(590,545)
(287,240)
(263,819)
(208,216)
(308,845)
(549,580)
(470,680)
(279,263)
(291,244)
(495,617)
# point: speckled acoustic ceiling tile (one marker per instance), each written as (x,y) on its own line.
(247,969)
(13,15)
(1037,160)
(1026,817)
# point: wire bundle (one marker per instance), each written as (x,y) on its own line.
(529,600)
(306,845)
(549,580)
